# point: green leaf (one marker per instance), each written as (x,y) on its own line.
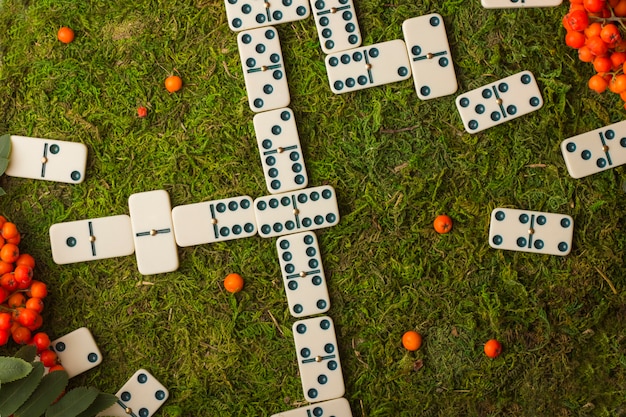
(73,403)
(51,386)
(27,352)
(102,402)
(15,394)
(12,369)
(4,164)
(5,146)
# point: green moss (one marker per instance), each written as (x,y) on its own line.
(395,161)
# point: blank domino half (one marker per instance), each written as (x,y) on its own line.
(214,221)
(153,232)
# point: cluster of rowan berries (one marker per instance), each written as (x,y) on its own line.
(21,296)
(593,28)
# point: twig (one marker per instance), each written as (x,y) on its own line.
(457,131)
(358,354)
(608,281)
(275,322)
(404,129)
(226,69)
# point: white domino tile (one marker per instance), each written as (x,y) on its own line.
(429,52)
(303,274)
(263,69)
(519,4)
(368,66)
(153,232)
(214,221)
(296,211)
(337,25)
(595,151)
(280,150)
(91,239)
(318,359)
(251,14)
(141,396)
(77,351)
(499,102)
(531,231)
(339,407)
(47,159)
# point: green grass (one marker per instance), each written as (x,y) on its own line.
(395,162)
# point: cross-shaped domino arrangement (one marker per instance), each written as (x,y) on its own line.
(156,229)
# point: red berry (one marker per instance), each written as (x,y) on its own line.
(23,274)
(9,230)
(17,299)
(9,252)
(593,29)
(585,54)
(48,358)
(594,6)
(142,111)
(41,341)
(4,336)
(597,45)
(8,282)
(575,39)
(610,34)
(21,335)
(618,84)
(37,324)
(35,304)
(602,64)
(598,84)
(4,294)
(26,259)
(617,59)
(55,368)
(37,289)
(493,348)
(566,24)
(5,267)
(26,316)
(6,321)
(578,20)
